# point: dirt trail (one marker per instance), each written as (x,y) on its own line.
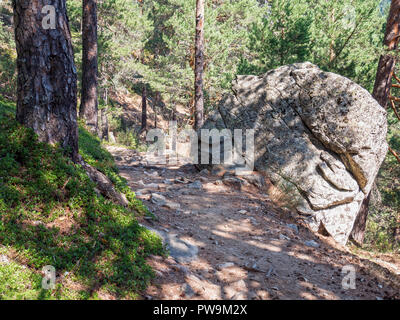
(247,247)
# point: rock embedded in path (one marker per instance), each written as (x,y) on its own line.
(225,265)
(293,227)
(318,136)
(158,199)
(204,172)
(182,251)
(312,243)
(195,185)
(172,205)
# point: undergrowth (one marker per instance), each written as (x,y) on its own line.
(50,214)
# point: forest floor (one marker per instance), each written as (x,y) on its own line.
(229,241)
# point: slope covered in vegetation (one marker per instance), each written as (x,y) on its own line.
(50,214)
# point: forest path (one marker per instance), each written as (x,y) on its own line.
(247,247)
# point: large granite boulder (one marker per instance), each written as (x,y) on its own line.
(319,134)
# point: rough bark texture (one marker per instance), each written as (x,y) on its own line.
(358,232)
(383,81)
(47,87)
(89,106)
(383,84)
(199,65)
(144,109)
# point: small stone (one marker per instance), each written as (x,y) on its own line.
(158,199)
(254,179)
(225,265)
(239,296)
(195,185)
(311,243)
(283,237)
(293,227)
(151,174)
(234,182)
(152,186)
(204,172)
(181,268)
(141,192)
(243,211)
(4,259)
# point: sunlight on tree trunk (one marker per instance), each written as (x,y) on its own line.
(47,81)
(199,65)
(89,105)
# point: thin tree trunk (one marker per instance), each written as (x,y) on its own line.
(104,124)
(89,105)
(199,65)
(47,81)
(144,109)
(383,84)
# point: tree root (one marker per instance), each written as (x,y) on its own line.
(104,184)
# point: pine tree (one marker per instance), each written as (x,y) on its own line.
(47,80)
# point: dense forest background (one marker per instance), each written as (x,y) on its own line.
(149,44)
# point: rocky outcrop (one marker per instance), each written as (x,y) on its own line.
(318,134)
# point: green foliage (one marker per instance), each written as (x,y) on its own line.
(128,138)
(344,37)
(283,37)
(172,45)
(50,214)
(19,283)
(8,54)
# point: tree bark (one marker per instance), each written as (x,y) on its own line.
(144,109)
(104,124)
(199,65)
(47,84)
(383,80)
(89,105)
(387,62)
(382,86)
(358,232)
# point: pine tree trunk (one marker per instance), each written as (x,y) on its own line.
(383,84)
(144,109)
(89,105)
(46,91)
(199,65)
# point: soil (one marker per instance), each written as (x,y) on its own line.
(248,247)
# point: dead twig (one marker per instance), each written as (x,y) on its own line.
(395,154)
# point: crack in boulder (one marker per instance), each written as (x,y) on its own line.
(320,131)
